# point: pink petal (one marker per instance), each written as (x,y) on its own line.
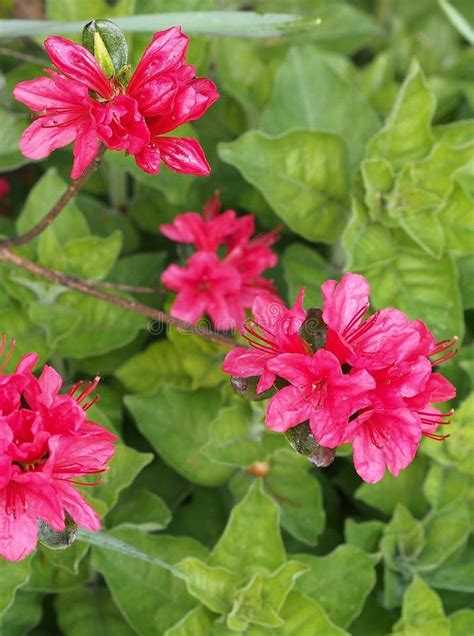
(297,368)
(183,155)
(186,228)
(27,363)
(85,148)
(345,300)
(188,307)
(286,409)
(51,92)
(82,513)
(166,51)
(42,137)
(148,159)
(18,534)
(75,62)
(245,363)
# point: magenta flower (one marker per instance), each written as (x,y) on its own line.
(206,285)
(46,444)
(227,241)
(381,340)
(82,105)
(274,330)
(320,392)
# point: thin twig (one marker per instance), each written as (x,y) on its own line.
(80,285)
(57,207)
(133,289)
(24,57)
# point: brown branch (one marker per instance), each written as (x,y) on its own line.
(57,207)
(133,289)
(80,285)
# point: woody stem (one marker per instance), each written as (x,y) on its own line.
(57,207)
(82,286)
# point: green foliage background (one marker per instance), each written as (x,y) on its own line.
(355,131)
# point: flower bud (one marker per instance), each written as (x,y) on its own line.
(247,388)
(303,442)
(313,329)
(57,540)
(107,43)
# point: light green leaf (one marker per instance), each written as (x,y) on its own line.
(305,267)
(459,22)
(90,611)
(12,576)
(443,485)
(302,175)
(70,10)
(455,574)
(176,422)
(235,437)
(197,622)
(404,489)
(407,131)
(340,581)
(201,358)
(22,616)
(462,622)
(151,598)
(365,535)
(92,257)
(251,541)
(216,587)
(11,128)
(456,217)
(140,508)
(159,363)
(313,90)
(54,572)
(422,612)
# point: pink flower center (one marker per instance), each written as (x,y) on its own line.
(252,332)
(85,389)
(351,332)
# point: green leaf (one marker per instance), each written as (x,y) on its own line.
(69,10)
(305,267)
(244,24)
(314,91)
(159,363)
(459,22)
(124,467)
(90,610)
(302,175)
(407,132)
(462,622)
(455,574)
(214,586)
(456,217)
(151,598)
(340,581)
(235,436)
(201,358)
(11,128)
(251,541)
(422,612)
(404,489)
(92,256)
(443,485)
(140,508)
(294,489)
(365,535)
(53,572)
(22,616)
(197,622)
(12,576)
(176,422)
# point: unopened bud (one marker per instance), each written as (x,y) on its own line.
(314,329)
(106,41)
(303,442)
(247,388)
(55,540)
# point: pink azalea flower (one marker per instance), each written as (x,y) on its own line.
(46,444)
(206,285)
(320,392)
(212,228)
(272,331)
(82,105)
(381,340)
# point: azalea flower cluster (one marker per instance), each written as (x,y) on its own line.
(46,444)
(223,276)
(82,104)
(371,384)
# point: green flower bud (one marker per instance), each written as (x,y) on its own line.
(313,329)
(107,43)
(303,442)
(57,540)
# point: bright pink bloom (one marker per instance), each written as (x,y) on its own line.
(46,444)
(381,340)
(245,257)
(319,392)
(85,106)
(206,285)
(273,330)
